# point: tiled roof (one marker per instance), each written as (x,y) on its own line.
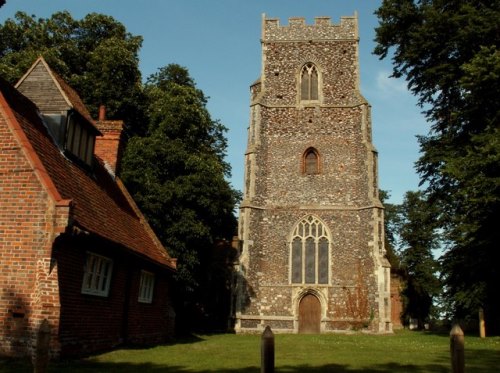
(100,204)
(74,99)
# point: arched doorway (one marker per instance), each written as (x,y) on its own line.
(309,315)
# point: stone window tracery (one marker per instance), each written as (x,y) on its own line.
(309,251)
(309,82)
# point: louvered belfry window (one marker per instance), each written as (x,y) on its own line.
(309,83)
(310,253)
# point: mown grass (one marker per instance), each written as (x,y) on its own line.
(401,352)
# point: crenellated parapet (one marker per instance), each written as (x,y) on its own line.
(297,29)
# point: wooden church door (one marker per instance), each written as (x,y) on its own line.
(309,315)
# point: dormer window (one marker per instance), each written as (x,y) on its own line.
(56,125)
(309,83)
(80,141)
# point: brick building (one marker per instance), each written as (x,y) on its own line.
(311,222)
(74,248)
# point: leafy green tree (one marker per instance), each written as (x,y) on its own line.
(449,53)
(418,242)
(391,220)
(95,55)
(177,174)
(175,163)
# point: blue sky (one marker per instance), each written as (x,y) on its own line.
(218,41)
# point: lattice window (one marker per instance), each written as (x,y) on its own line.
(309,83)
(310,252)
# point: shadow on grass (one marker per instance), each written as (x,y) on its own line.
(7,365)
(478,360)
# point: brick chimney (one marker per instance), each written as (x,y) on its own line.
(109,146)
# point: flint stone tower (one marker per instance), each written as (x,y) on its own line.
(311,222)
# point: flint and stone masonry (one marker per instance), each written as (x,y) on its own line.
(312,258)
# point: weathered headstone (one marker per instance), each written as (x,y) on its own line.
(457,349)
(267,351)
(482,328)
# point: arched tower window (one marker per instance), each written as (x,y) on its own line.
(310,252)
(310,162)
(309,82)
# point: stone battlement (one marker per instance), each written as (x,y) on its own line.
(298,29)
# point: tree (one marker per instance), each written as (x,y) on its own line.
(95,55)
(449,53)
(176,173)
(418,241)
(175,162)
(391,220)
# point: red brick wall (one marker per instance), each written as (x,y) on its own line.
(28,287)
(37,282)
(92,323)
(154,322)
(109,147)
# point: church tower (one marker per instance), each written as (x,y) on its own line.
(311,222)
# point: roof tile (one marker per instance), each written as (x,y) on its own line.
(100,204)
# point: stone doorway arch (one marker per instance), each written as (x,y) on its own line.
(309,314)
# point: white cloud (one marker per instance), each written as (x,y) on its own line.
(386,84)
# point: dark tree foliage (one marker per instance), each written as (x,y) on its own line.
(175,162)
(391,220)
(449,53)
(176,173)
(418,241)
(95,55)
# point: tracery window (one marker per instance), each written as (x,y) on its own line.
(310,252)
(309,83)
(310,162)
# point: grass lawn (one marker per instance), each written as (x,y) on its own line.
(403,351)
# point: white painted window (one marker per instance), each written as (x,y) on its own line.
(146,287)
(97,275)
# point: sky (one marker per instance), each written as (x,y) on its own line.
(218,41)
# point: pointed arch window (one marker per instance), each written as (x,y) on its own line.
(310,252)
(310,162)
(309,82)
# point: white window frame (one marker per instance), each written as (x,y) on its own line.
(146,287)
(97,275)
